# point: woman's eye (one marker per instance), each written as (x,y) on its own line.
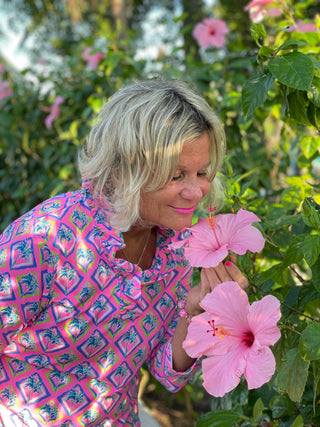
(201,174)
(177,177)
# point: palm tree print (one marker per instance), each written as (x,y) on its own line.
(83,370)
(121,374)
(66,358)
(49,412)
(100,309)
(28,285)
(94,343)
(149,323)
(40,361)
(5,286)
(107,359)
(77,327)
(17,366)
(75,396)
(65,309)
(59,379)
(67,278)
(42,227)
(99,387)
(3,253)
(9,316)
(26,339)
(65,239)
(31,310)
(131,339)
(86,293)
(139,356)
(47,256)
(22,251)
(79,219)
(33,385)
(8,397)
(115,325)
(90,416)
(85,258)
(51,339)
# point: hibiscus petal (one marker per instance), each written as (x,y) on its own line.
(199,257)
(246,239)
(197,341)
(202,235)
(228,304)
(221,374)
(263,317)
(260,366)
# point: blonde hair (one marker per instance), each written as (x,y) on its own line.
(137,140)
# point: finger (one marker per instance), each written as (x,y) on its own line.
(208,281)
(222,273)
(233,258)
(236,275)
(212,277)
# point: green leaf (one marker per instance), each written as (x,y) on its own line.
(309,145)
(279,406)
(311,248)
(294,69)
(293,374)
(294,253)
(297,102)
(316,275)
(298,422)
(258,33)
(314,92)
(309,345)
(309,214)
(219,419)
(257,411)
(255,92)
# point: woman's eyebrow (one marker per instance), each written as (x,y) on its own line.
(182,167)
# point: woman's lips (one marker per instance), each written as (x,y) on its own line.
(184,211)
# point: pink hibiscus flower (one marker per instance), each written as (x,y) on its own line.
(211,32)
(302,27)
(5,89)
(236,338)
(212,239)
(54,112)
(92,59)
(259,8)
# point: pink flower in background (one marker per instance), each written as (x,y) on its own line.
(54,112)
(1,68)
(212,239)
(236,337)
(5,89)
(259,8)
(302,27)
(92,59)
(211,32)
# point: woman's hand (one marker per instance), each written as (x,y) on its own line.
(210,278)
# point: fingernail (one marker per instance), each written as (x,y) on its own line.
(228,263)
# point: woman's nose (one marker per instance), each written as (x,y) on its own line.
(192,191)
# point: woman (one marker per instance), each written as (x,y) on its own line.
(90,287)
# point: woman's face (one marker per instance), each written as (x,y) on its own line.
(172,206)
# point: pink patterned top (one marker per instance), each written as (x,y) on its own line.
(77,323)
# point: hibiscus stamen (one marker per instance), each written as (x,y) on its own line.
(222,332)
(211,221)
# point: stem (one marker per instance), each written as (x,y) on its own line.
(288,327)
